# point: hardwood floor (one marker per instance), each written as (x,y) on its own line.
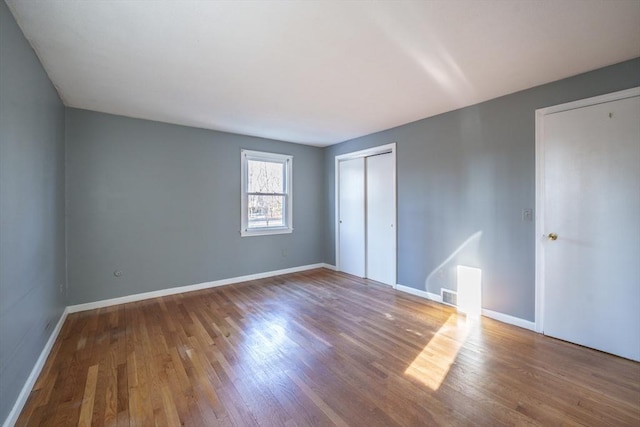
(319,348)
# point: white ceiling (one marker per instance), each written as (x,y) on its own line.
(315,72)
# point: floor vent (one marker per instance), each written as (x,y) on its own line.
(449,297)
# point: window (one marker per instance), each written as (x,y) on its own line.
(266,193)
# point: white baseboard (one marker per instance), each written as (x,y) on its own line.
(33,376)
(505,318)
(190,288)
(419,293)
(501,317)
(31,380)
(35,372)
(330,267)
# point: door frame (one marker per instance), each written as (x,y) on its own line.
(381,149)
(539,205)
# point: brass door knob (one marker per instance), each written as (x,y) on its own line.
(553,236)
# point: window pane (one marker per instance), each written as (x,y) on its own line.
(265,177)
(266,211)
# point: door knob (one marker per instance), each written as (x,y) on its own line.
(552,236)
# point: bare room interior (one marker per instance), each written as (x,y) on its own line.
(291,213)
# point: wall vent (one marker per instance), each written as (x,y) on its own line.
(449,297)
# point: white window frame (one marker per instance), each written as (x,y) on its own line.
(287,161)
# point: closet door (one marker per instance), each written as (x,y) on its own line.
(381,217)
(351,221)
(592,226)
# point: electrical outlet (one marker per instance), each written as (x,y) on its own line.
(284,253)
(527,215)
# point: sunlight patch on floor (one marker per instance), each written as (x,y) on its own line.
(432,365)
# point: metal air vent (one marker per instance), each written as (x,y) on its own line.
(449,297)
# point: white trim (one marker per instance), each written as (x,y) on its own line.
(419,293)
(539,224)
(600,99)
(435,297)
(511,320)
(381,149)
(35,372)
(287,161)
(501,317)
(539,205)
(190,288)
(37,368)
(329,267)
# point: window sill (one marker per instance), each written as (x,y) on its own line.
(265,231)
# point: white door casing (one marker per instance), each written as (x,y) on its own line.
(340,237)
(588,193)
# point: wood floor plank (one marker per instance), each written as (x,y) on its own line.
(319,348)
(88,398)
(317,400)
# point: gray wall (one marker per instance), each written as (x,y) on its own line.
(162,203)
(465,176)
(32,259)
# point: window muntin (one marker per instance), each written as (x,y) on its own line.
(266,193)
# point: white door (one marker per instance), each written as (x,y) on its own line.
(591,204)
(351,221)
(381,217)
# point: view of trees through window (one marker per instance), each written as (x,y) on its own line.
(266,194)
